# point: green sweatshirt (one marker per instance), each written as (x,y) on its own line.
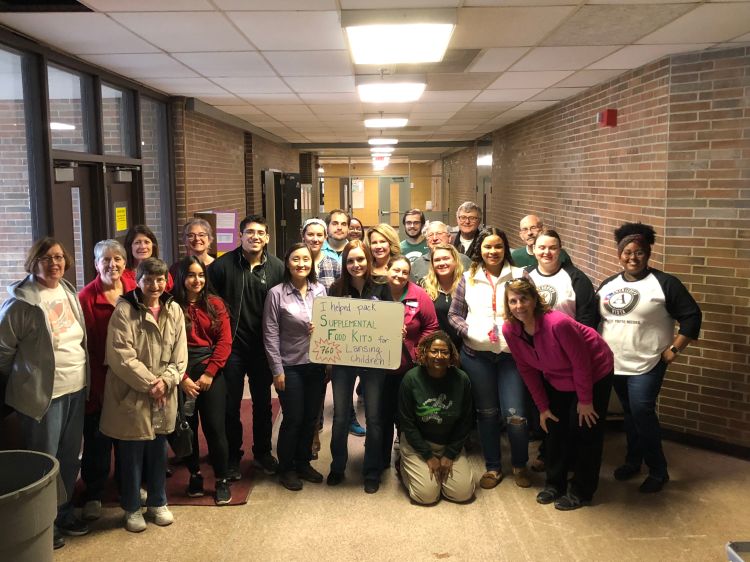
(435,410)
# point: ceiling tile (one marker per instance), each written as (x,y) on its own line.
(78,33)
(486,107)
(480,28)
(419,122)
(486,3)
(291,31)
(433,115)
(540,79)
(149,5)
(611,25)
(375,4)
(214,65)
(449,96)
(153,65)
(234,109)
(742,38)
(460,81)
(519,94)
(635,1)
(452,127)
(253,85)
(262,5)
(387,107)
(271,99)
(558,93)
(194,87)
(321,84)
(534,105)
(708,23)
(562,58)
(185,31)
(310,63)
(339,117)
(331,99)
(633,56)
(421,107)
(342,108)
(588,78)
(497,59)
(285,109)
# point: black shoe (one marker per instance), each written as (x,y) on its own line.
(73,528)
(268,463)
(223,493)
(195,486)
(371,486)
(626,472)
(309,474)
(290,481)
(548,495)
(58,541)
(652,485)
(335,478)
(233,471)
(569,502)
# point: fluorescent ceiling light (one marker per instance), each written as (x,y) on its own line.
(378,141)
(399,43)
(390,92)
(386,122)
(485,160)
(381,149)
(61,126)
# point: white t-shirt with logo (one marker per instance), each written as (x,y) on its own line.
(67,341)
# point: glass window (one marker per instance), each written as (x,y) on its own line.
(117,121)
(156,196)
(68,113)
(15,205)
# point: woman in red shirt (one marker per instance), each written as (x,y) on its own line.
(141,244)
(209,339)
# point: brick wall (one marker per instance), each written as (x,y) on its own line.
(267,155)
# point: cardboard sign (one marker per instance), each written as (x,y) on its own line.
(357,332)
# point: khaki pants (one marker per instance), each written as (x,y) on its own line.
(458,487)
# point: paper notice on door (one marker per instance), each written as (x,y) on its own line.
(224,221)
(121,218)
(224,238)
(358,194)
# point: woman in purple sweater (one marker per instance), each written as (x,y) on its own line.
(568,369)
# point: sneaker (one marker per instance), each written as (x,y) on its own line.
(335,478)
(58,541)
(309,474)
(195,486)
(356,429)
(143,496)
(371,485)
(652,485)
(161,515)
(134,521)
(569,502)
(73,527)
(233,471)
(626,472)
(92,510)
(268,463)
(223,493)
(522,477)
(290,480)
(548,495)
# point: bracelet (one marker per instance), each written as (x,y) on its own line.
(674,349)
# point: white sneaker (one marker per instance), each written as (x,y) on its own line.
(161,515)
(134,521)
(144,496)
(92,510)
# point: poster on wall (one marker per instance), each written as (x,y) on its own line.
(358,194)
(121,218)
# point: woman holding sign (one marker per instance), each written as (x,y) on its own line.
(299,383)
(356,282)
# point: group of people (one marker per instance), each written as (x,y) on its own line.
(492,337)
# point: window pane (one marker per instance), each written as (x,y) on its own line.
(117,121)
(66,112)
(15,210)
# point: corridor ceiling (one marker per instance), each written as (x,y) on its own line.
(284,66)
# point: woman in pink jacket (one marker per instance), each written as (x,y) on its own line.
(568,368)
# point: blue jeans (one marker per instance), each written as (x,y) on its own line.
(300,403)
(59,434)
(497,387)
(638,393)
(342,382)
(134,457)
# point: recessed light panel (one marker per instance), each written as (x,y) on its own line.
(390,92)
(399,43)
(386,123)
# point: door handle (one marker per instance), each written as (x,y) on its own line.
(383,213)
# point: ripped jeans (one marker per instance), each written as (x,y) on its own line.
(496,387)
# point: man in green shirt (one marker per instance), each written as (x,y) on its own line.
(415,245)
(530,227)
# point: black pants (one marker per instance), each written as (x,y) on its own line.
(259,381)
(96,460)
(389,413)
(211,407)
(590,441)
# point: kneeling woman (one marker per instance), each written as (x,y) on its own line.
(435,411)
(147,356)
(287,325)
(568,369)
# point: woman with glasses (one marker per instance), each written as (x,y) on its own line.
(567,367)
(44,364)
(141,244)
(198,237)
(356,229)
(639,307)
(476,313)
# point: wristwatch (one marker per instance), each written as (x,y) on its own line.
(674,349)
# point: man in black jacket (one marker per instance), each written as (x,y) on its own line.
(469,218)
(242,278)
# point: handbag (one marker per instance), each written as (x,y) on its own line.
(181,439)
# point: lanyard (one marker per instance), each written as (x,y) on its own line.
(494,292)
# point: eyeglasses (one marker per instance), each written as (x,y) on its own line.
(638,253)
(432,235)
(468,218)
(251,232)
(536,228)
(52,259)
(194,236)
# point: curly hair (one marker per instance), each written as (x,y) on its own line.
(426,342)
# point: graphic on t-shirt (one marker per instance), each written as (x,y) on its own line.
(412,256)
(430,409)
(60,317)
(621,301)
(548,294)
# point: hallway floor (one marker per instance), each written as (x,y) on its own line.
(705,505)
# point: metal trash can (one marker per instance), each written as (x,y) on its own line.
(28,505)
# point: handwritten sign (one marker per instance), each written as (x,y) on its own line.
(357,332)
(121,218)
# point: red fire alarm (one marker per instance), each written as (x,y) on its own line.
(607,118)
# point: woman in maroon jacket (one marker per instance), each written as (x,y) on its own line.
(420,320)
(209,340)
(98,300)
